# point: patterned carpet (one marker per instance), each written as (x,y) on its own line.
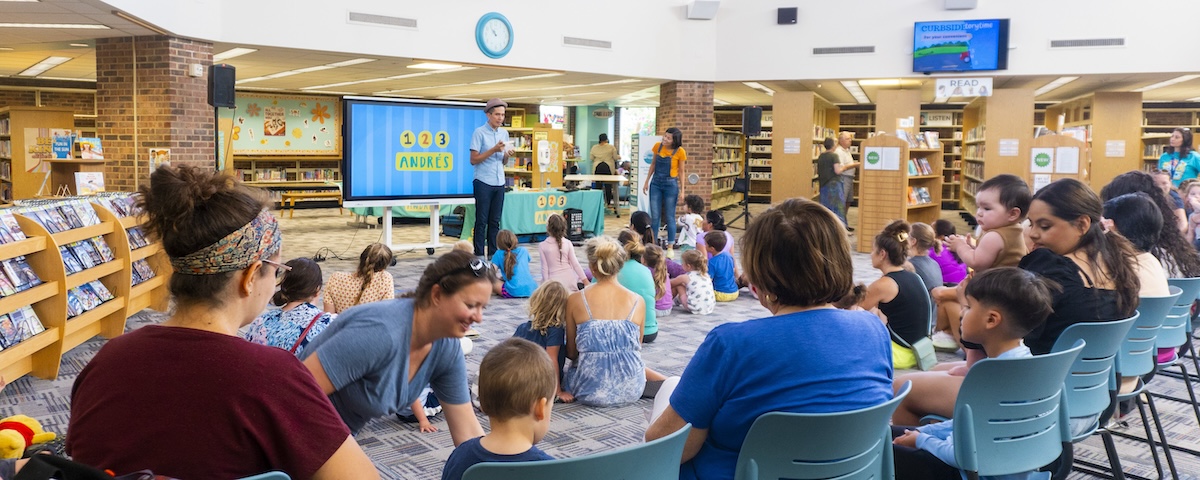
(401,451)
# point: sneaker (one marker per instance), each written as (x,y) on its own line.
(430,412)
(944,342)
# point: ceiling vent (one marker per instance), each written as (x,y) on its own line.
(1088,42)
(586,42)
(842,50)
(373,19)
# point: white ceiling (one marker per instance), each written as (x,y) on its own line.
(21,48)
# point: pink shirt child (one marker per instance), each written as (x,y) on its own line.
(561,264)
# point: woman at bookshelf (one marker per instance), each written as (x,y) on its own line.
(797,257)
(376,359)
(253,408)
(1179,158)
(662,182)
(370,282)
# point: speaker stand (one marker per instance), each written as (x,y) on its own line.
(745,214)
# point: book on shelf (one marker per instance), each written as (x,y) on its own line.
(27,322)
(74,303)
(72,264)
(9,334)
(912,167)
(931,139)
(923,165)
(101,291)
(90,148)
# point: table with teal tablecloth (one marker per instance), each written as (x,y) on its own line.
(524,212)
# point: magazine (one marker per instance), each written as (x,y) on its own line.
(9,335)
(27,271)
(71,217)
(100,290)
(26,322)
(10,224)
(106,254)
(69,261)
(6,286)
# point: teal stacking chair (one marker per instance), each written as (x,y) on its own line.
(1010,416)
(804,446)
(269,476)
(655,460)
(1135,359)
(1176,334)
(1091,384)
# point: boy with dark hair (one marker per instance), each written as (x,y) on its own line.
(721,268)
(690,223)
(1003,304)
(517,385)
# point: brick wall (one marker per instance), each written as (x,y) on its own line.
(688,106)
(171,112)
(83,103)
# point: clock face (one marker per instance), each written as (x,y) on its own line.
(494,35)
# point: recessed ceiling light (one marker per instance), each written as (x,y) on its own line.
(233,52)
(298,71)
(347,63)
(79,45)
(880,82)
(6,49)
(856,91)
(511,79)
(433,66)
(20,1)
(42,66)
(88,26)
(1058,82)
(68,79)
(760,87)
(1166,83)
(616,82)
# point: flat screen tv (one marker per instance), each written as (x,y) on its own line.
(960,46)
(407,149)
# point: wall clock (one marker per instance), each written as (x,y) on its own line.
(494,35)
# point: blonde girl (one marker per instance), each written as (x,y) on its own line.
(656,261)
(370,282)
(546,327)
(694,289)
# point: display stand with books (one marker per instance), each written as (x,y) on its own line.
(27,136)
(67,273)
(899,182)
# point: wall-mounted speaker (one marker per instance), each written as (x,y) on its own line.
(221,79)
(751,121)
(787,16)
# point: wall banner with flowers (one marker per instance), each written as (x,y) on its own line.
(265,124)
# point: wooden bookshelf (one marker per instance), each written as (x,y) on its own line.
(19,127)
(1110,122)
(757,151)
(1003,119)
(861,124)
(1157,125)
(42,354)
(729,164)
(804,118)
(888,194)
(950,137)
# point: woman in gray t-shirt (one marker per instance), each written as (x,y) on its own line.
(919,243)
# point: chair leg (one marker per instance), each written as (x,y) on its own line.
(1162,435)
(1187,381)
(1115,461)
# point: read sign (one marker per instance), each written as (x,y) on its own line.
(963,87)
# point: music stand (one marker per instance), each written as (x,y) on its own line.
(742,185)
(751,126)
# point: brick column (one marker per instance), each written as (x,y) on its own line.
(688,106)
(142,86)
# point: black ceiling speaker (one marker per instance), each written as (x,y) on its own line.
(221,79)
(787,16)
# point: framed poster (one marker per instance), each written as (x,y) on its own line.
(266,124)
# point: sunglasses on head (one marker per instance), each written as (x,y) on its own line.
(280,268)
(477,267)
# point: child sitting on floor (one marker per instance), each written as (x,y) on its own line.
(1003,304)
(655,260)
(721,268)
(512,263)
(516,383)
(546,327)
(691,223)
(694,289)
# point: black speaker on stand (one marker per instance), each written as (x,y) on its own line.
(221,79)
(751,127)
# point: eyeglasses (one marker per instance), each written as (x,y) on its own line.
(280,268)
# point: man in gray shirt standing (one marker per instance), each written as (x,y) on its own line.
(488,186)
(847,175)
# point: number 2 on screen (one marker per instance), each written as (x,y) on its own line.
(425,139)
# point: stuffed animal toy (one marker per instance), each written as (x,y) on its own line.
(18,432)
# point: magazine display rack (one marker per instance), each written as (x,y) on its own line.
(908,188)
(77,282)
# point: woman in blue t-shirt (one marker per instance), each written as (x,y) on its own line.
(797,258)
(1179,158)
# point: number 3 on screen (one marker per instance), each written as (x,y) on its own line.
(407,139)
(441,139)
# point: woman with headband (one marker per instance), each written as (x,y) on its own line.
(189,398)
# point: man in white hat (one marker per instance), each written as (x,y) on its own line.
(489,175)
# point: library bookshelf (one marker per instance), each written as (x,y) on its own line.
(21,127)
(757,150)
(41,354)
(801,122)
(729,163)
(895,194)
(1110,123)
(997,131)
(1157,125)
(950,136)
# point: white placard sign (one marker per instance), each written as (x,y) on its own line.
(963,87)
(1040,180)
(1041,160)
(1114,148)
(791,145)
(937,119)
(1009,147)
(1067,160)
(891,158)
(872,158)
